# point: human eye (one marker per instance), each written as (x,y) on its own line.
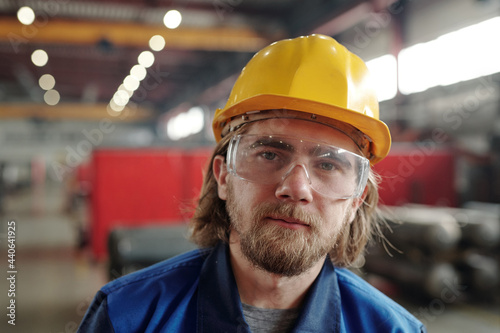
(333,161)
(327,166)
(268,155)
(271,150)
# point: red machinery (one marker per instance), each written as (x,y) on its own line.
(141,187)
(419,174)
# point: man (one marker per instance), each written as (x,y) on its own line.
(289,199)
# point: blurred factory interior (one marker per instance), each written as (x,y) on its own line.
(105,128)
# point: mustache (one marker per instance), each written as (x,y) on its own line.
(287,211)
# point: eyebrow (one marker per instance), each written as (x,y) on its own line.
(278,143)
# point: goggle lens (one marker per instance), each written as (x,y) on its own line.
(267,159)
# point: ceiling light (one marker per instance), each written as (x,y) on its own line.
(52,97)
(47,82)
(129,92)
(146,59)
(139,72)
(384,72)
(26,15)
(172,19)
(121,98)
(116,108)
(186,123)
(157,43)
(458,56)
(131,83)
(39,58)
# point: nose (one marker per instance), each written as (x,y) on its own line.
(295,185)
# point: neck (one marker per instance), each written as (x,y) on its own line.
(262,289)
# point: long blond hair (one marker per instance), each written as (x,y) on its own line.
(211,223)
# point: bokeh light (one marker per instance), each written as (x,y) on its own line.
(26,15)
(172,19)
(39,58)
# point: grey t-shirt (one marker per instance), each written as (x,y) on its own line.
(270,320)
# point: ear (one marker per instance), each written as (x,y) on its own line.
(220,173)
(356,203)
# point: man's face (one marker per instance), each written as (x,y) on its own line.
(286,227)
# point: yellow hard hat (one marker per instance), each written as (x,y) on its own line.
(316,76)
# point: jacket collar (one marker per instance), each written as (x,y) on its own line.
(219,305)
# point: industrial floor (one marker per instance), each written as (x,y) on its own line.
(55,282)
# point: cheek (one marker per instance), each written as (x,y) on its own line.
(252,193)
(242,195)
(336,215)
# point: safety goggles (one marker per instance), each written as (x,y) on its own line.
(267,159)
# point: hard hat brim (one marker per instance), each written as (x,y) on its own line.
(376,130)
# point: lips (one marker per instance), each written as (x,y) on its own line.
(288,220)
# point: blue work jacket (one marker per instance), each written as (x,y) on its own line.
(197,292)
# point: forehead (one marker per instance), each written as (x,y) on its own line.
(303,129)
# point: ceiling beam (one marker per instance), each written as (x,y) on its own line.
(307,16)
(210,76)
(352,16)
(78,111)
(238,39)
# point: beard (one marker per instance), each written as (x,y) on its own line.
(276,249)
